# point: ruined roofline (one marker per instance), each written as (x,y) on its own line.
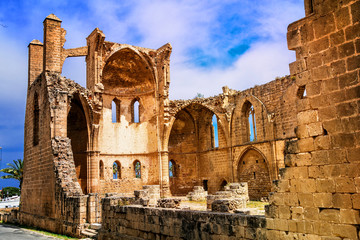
(144,49)
(231,92)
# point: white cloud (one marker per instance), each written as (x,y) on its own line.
(262,63)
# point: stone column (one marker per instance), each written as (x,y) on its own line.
(53,42)
(165,186)
(35,64)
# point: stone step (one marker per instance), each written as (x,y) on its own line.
(95,226)
(90,233)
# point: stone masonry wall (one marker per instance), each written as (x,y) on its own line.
(318,195)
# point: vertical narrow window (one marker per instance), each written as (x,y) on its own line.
(172,168)
(36,120)
(101,170)
(116,170)
(214,134)
(137,169)
(252,123)
(135,111)
(115,111)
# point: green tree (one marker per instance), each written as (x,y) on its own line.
(199,95)
(9,192)
(14,170)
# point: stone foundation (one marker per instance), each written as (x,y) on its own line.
(133,222)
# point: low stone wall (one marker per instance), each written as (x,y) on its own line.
(71,217)
(9,217)
(134,222)
(198,194)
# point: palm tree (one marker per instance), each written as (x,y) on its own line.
(15,170)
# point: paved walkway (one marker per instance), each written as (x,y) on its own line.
(9,232)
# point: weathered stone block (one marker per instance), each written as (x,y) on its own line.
(353,62)
(306,145)
(323,200)
(342,18)
(325,185)
(345,231)
(337,38)
(349,216)
(345,185)
(306,199)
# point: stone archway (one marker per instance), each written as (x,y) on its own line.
(77,131)
(253,169)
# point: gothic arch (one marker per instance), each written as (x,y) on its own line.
(126,71)
(263,119)
(221,121)
(252,167)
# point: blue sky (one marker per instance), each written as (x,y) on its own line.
(215,43)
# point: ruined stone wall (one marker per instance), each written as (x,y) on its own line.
(38,188)
(318,195)
(191,138)
(133,222)
(52,197)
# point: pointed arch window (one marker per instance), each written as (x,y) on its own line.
(115,110)
(101,170)
(36,120)
(214,132)
(137,169)
(135,107)
(116,170)
(172,169)
(251,123)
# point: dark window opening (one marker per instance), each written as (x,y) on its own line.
(36,120)
(223,185)
(135,115)
(214,132)
(252,124)
(101,170)
(172,169)
(205,185)
(116,170)
(137,169)
(301,93)
(254,175)
(115,110)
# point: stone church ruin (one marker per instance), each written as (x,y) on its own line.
(87,149)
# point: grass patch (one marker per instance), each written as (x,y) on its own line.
(256,204)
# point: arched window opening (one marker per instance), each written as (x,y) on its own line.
(252,124)
(137,169)
(115,111)
(36,119)
(101,170)
(172,169)
(214,132)
(116,170)
(135,111)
